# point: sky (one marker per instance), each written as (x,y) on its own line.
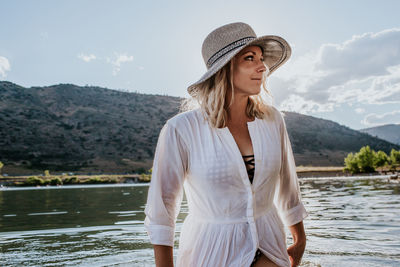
(345,63)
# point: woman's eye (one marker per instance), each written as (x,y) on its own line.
(249,58)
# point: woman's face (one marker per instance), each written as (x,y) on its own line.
(248,69)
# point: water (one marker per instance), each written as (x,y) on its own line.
(351,222)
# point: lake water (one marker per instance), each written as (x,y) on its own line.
(352,222)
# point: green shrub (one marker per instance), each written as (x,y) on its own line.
(394,159)
(55,181)
(1,166)
(145,177)
(34,181)
(71,180)
(381,159)
(112,181)
(367,160)
(351,163)
(94,180)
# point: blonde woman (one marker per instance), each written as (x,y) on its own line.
(232,157)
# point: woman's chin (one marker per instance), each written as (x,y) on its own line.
(256,91)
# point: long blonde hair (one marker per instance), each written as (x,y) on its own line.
(211,97)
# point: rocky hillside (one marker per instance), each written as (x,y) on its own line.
(388,132)
(70,128)
(91,129)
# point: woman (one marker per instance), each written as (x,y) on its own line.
(234,160)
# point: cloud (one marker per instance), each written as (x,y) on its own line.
(374,119)
(86,58)
(362,70)
(4,66)
(299,104)
(378,90)
(118,60)
(360,110)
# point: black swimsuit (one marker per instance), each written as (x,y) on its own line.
(250,166)
(249,162)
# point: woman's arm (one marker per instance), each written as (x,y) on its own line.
(163,256)
(296,250)
(287,195)
(165,193)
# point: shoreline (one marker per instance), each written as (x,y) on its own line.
(57,181)
(77,186)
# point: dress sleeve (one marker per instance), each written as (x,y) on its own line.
(287,197)
(165,193)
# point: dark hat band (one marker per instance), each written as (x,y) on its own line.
(220,53)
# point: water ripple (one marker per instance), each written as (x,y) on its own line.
(351,222)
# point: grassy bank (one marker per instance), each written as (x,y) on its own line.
(302,171)
(325,171)
(75,179)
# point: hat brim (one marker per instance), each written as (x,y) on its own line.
(276,51)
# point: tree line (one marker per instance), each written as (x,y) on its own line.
(367,160)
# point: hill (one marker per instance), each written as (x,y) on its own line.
(69,128)
(97,130)
(321,142)
(388,132)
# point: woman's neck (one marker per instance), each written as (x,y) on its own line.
(237,111)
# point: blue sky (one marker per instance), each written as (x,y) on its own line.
(345,64)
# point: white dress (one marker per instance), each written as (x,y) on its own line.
(229,217)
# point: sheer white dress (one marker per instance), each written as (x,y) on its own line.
(229,217)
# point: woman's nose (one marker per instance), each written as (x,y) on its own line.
(261,67)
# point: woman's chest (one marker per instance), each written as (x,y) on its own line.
(215,157)
(242,139)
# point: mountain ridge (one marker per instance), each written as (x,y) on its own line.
(89,129)
(388,132)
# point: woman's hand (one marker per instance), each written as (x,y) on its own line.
(296,250)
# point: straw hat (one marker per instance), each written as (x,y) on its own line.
(222,44)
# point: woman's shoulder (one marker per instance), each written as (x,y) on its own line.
(185,119)
(186,124)
(274,115)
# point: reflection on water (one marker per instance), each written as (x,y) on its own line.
(351,222)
